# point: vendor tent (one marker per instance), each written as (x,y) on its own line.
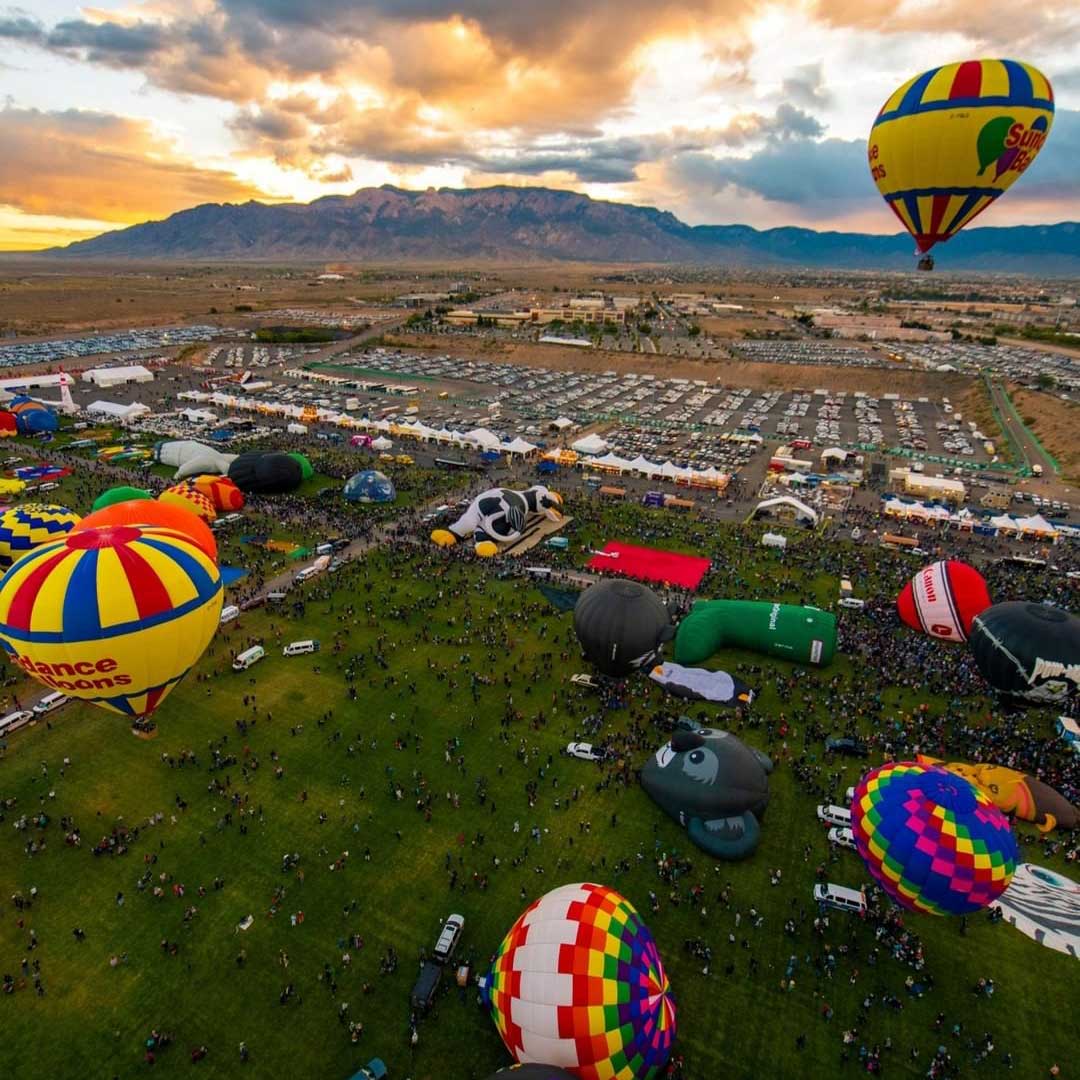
(590,444)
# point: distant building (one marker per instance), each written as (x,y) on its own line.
(118,376)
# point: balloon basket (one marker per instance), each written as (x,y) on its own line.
(142,733)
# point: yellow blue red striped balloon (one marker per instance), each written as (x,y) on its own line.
(116,616)
(23,528)
(952,140)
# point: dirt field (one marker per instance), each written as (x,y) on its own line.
(1055,424)
(732,372)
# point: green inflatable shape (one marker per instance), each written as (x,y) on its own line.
(305,465)
(119,494)
(806,635)
(991,144)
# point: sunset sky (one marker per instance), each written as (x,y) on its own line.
(721,111)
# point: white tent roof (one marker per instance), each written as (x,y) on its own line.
(1036,524)
(800,508)
(121,412)
(518,446)
(834,452)
(381,443)
(482,437)
(562,423)
(591,444)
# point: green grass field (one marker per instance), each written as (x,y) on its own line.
(420,629)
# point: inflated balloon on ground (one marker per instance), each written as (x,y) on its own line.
(622,626)
(153,512)
(370,486)
(189,497)
(116,616)
(221,491)
(578,982)
(943,599)
(23,528)
(1028,651)
(934,842)
(266,473)
(119,494)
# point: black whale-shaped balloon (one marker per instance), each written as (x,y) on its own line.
(713,784)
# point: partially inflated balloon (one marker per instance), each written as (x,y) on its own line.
(116,616)
(934,842)
(119,494)
(943,599)
(221,491)
(153,512)
(306,468)
(952,140)
(266,474)
(23,528)
(190,498)
(578,983)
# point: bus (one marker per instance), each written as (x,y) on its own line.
(891,540)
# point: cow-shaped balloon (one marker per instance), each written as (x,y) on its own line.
(499,516)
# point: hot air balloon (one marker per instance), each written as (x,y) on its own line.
(23,528)
(32,417)
(192,458)
(116,616)
(622,626)
(943,598)
(307,470)
(152,512)
(221,491)
(266,474)
(578,983)
(370,486)
(950,141)
(9,426)
(189,497)
(119,494)
(1028,651)
(934,842)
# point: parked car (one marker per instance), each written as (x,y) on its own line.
(840,837)
(835,815)
(426,986)
(50,702)
(449,937)
(373,1070)
(585,751)
(840,897)
(848,747)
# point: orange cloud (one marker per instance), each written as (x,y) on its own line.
(91,165)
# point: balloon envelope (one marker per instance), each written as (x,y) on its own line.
(190,498)
(621,626)
(934,842)
(370,486)
(943,599)
(115,616)
(307,470)
(950,141)
(578,982)
(23,528)
(266,474)
(120,494)
(153,512)
(221,491)
(1028,651)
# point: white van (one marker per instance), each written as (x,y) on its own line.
(844,838)
(228,613)
(299,648)
(852,602)
(15,720)
(248,657)
(306,573)
(276,597)
(50,702)
(324,549)
(835,815)
(841,898)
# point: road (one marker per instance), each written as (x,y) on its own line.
(1021,438)
(345,344)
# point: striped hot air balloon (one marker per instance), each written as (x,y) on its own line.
(952,140)
(116,616)
(221,491)
(23,528)
(578,983)
(934,842)
(190,498)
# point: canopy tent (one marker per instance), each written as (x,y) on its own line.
(590,444)
(920,511)
(115,411)
(483,438)
(519,446)
(784,504)
(774,540)
(381,443)
(562,423)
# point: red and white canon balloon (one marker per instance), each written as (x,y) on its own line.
(943,599)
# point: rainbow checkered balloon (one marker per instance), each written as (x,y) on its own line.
(23,528)
(116,616)
(578,983)
(934,842)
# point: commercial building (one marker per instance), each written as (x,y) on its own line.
(104,378)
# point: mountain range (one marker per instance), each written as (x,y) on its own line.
(522,224)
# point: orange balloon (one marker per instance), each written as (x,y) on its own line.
(152,512)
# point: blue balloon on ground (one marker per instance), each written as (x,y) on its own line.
(370,486)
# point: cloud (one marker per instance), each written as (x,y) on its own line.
(806,86)
(91,165)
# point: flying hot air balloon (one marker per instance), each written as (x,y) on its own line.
(950,141)
(116,616)
(578,983)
